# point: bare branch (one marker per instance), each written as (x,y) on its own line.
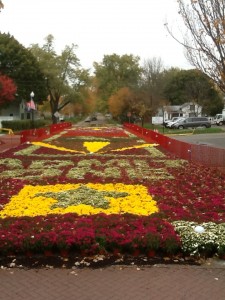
(205,41)
(1,5)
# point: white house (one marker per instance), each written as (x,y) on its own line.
(16,111)
(170,111)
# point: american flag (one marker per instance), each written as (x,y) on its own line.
(31,105)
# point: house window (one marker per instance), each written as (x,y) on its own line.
(192,107)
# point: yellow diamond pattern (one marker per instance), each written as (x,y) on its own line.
(95,146)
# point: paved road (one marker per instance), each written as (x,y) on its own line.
(213,140)
(101,121)
(158,282)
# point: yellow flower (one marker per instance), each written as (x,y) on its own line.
(55,147)
(136,147)
(95,146)
(39,200)
(92,147)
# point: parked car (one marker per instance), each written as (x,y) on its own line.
(108,116)
(170,125)
(169,121)
(91,118)
(61,118)
(192,122)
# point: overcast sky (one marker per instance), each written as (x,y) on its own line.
(98,27)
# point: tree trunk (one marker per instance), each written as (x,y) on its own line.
(54,109)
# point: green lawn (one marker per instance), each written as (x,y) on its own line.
(164,130)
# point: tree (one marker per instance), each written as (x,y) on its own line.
(120,103)
(183,86)
(64,78)
(116,72)
(7,89)
(205,39)
(152,86)
(21,66)
(1,5)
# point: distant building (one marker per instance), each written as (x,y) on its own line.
(170,111)
(15,111)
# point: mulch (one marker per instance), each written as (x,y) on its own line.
(94,262)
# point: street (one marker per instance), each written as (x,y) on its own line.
(209,139)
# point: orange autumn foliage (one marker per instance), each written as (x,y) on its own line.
(120,102)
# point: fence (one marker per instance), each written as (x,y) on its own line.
(41,133)
(203,154)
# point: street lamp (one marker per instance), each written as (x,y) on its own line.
(32,95)
(32,108)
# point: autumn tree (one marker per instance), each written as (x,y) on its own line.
(121,102)
(205,39)
(114,73)
(64,77)
(7,90)
(21,66)
(127,105)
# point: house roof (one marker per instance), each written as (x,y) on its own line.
(175,108)
(172,107)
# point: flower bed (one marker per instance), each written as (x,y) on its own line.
(105,190)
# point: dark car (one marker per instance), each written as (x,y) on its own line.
(192,122)
(90,119)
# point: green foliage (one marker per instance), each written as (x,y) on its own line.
(18,63)
(183,131)
(116,72)
(75,119)
(18,125)
(64,77)
(183,86)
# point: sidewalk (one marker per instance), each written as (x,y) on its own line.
(157,282)
(8,141)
